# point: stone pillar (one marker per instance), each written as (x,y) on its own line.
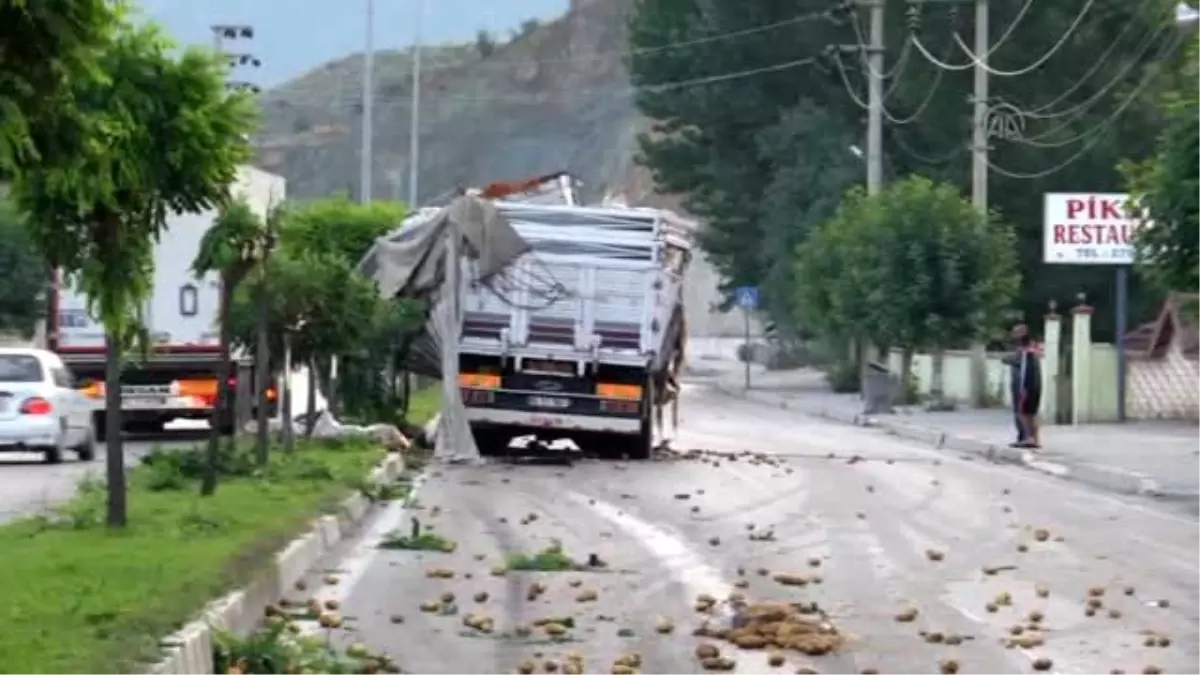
(1081,364)
(1051,366)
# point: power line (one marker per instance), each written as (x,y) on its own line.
(1095,67)
(319,97)
(608,54)
(1036,140)
(1096,133)
(923,158)
(1149,41)
(981,63)
(933,88)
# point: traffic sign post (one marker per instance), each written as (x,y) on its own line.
(747,299)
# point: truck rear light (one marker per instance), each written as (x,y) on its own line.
(206,388)
(93,390)
(478,381)
(477,396)
(624,392)
(36,406)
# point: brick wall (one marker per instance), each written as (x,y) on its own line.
(1163,387)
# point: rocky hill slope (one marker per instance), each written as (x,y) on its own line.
(555,97)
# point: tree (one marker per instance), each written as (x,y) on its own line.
(485,44)
(915,266)
(233,246)
(45,47)
(703,144)
(347,229)
(1167,190)
(157,134)
(318,306)
(24,283)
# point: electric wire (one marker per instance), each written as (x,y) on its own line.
(1075,111)
(926,159)
(1093,69)
(1097,134)
(976,61)
(1036,140)
(632,90)
(929,94)
(500,64)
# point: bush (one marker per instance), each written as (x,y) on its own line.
(844,378)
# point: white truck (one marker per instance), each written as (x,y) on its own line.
(179,378)
(580,337)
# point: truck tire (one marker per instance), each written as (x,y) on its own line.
(100,426)
(491,441)
(641,445)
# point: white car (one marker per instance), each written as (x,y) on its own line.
(40,409)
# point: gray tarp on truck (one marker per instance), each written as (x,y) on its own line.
(409,262)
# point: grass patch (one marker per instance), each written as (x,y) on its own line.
(82,598)
(550,559)
(424,404)
(417,540)
(276,648)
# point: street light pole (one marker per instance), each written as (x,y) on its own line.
(414,129)
(365,177)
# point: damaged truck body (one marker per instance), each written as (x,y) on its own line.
(581,333)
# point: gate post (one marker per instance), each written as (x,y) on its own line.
(1081,364)
(1051,364)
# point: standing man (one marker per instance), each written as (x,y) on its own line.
(1027,389)
(1013,361)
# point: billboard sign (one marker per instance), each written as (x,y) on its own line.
(1087,228)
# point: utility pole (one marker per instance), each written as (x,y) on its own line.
(223,33)
(875,97)
(365,175)
(979,174)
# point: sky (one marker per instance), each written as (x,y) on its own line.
(293,36)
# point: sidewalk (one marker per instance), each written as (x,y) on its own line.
(1152,458)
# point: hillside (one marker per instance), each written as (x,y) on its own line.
(553,98)
(556,97)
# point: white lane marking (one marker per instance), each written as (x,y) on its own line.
(675,555)
(354,565)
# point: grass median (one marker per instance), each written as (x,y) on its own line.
(81,598)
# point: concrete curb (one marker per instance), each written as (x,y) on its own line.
(1116,480)
(190,649)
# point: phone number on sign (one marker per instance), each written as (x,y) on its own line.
(1106,253)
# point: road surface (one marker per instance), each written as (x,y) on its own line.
(28,485)
(864,512)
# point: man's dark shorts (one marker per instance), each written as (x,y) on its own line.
(1029,403)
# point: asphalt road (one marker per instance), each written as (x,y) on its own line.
(857,508)
(28,485)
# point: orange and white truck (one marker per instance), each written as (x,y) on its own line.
(178,380)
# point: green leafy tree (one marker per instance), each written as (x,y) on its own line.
(917,267)
(1167,187)
(25,280)
(346,228)
(46,46)
(233,247)
(159,133)
(704,142)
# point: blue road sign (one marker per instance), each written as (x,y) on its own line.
(747,297)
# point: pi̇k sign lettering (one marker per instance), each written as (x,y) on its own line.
(1088,228)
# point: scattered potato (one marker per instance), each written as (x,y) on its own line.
(907,615)
(665,626)
(526,667)
(949,666)
(481,596)
(791,579)
(775,660)
(1042,664)
(396,618)
(587,595)
(1041,534)
(935,555)
(331,579)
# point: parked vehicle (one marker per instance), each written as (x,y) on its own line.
(40,409)
(179,379)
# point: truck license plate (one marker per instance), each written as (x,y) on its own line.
(549,402)
(142,402)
